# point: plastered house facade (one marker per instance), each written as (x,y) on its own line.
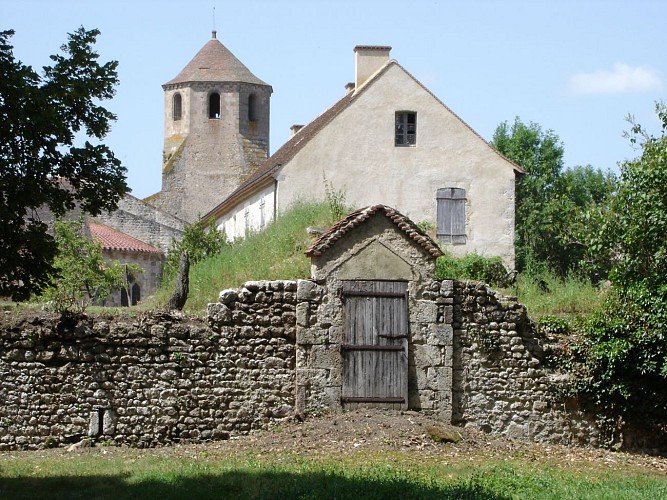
(390,141)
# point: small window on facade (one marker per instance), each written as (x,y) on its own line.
(406,128)
(252,108)
(177,107)
(451,223)
(214,105)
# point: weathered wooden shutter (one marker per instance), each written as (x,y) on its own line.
(375,361)
(451,206)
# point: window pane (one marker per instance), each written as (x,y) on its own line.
(406,128)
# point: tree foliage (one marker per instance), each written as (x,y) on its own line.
(551,202)
(43,168)
(81,276)
(622,358)
(200,240)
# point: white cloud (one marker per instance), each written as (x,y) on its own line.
(622,79)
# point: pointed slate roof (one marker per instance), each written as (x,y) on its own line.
(111,239)
(358,217)
(215,63)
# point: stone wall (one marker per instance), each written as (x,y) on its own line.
(148,280)
(269,350)
(150,380)
(145,223)
(502,383)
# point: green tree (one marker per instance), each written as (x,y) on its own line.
(201,239)
(541,156)
(43,118)
(551,203)
(639,212)
(622,358)
(81,276)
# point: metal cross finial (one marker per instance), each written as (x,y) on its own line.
(214,32)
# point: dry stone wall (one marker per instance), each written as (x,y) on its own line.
(152,380)
(267,351)
(501,380)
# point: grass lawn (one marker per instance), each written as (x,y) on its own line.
(194,472)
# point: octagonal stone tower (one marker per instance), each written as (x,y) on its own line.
(216,116)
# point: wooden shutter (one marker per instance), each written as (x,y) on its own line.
(375,357)
(451,206)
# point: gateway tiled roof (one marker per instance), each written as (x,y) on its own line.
(111,239)
(215,63)
(355,219)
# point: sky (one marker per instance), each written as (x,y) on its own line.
(577,67)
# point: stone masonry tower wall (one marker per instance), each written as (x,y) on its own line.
(216,115)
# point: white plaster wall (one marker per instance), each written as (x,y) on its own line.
(356,154)
(258,209)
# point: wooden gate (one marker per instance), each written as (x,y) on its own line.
(375,349)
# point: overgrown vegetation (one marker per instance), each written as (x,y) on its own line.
(621,359)
(200,239)
(275,253)
(572,298)
(473,266)
(81,276)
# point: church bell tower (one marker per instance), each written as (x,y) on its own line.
(216,131)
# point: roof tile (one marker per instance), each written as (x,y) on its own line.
(111,239)
(358,217)
(215,63)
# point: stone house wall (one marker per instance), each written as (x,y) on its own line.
(148,280)
(144,222)
(269,350)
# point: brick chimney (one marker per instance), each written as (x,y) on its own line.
(368,59)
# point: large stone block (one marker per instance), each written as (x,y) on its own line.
(302,314)
(440,334)
(308,290)
(423,312)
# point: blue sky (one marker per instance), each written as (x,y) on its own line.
(577,67)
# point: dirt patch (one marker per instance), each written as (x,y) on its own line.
(377,432)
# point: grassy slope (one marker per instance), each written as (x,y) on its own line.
(275,253)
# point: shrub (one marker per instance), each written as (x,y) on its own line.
(81,275)
(473,266)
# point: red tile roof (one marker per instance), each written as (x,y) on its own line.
(111,239)
(215,63)
(358,217)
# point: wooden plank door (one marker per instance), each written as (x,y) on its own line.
(375,350)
